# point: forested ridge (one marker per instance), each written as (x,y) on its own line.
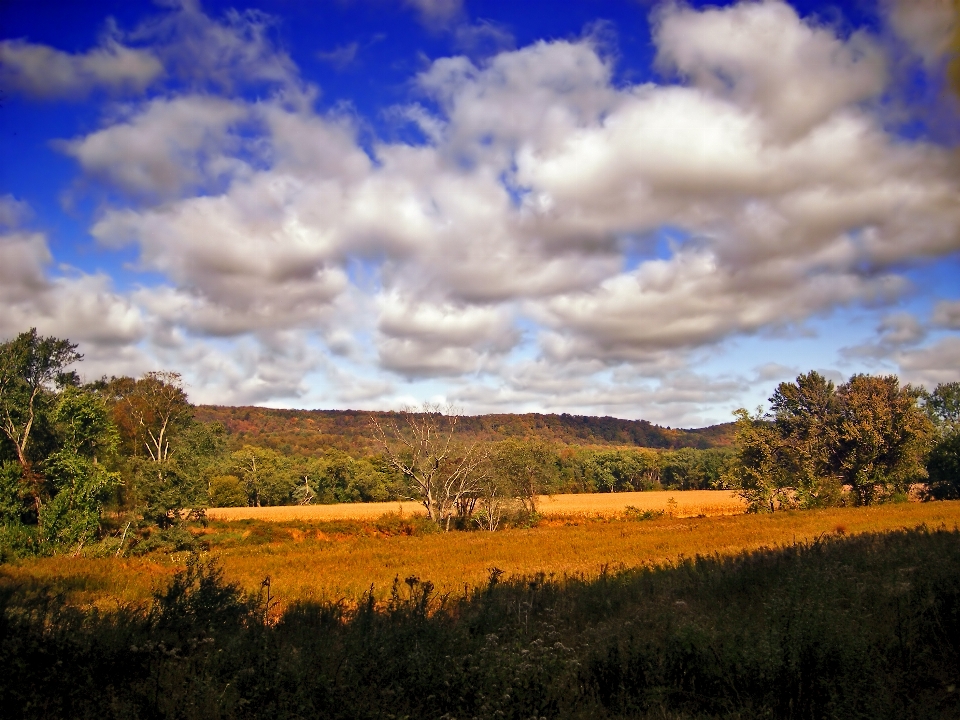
(310,432)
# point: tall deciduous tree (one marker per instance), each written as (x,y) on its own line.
(883,437)
(163,445)
(31,368)
(51,492)
(805,418)
(757,472)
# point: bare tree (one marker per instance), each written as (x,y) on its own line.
(444,473)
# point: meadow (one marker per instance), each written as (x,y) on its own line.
(344,559)
(848,624)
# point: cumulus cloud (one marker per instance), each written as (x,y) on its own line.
(766,58)
(44,72)
(926,25)
(82,307)
(428,339)
(515,250)
(932,364)
(218,54)
(946,314)
(166,147)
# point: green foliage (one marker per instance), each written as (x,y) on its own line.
(265,474)
(943,468)
(884,437)
(227,491)
(863,626)
(31,367)
(943,407)
(943,464)
(624,470)
(51,500)
(757,472)
(866,442)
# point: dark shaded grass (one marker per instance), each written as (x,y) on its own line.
(860,627)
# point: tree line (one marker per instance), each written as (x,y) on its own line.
(125,461)
(866,441)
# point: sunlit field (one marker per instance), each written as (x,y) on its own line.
(679,504)
(342,560)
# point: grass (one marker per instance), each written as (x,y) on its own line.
(341,560)
(847,625)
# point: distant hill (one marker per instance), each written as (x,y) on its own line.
(310,432)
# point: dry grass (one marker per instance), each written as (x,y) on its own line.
(686,503)
(307,561)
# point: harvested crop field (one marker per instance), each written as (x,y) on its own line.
(686,503)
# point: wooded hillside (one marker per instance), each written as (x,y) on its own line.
(308,432)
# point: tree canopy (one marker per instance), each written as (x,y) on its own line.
(862,442)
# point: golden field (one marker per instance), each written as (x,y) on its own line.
(327,561)
(680,504)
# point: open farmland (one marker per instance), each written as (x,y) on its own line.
(680,504)
(313,560)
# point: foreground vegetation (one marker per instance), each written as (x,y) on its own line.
(861,626)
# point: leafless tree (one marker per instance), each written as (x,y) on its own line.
(444,473)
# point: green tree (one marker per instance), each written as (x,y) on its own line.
(883,437)
(76,473)
(943,463)
(266,475)
(524,470)
(59,444)
(32,368)
(757,471)
(691,469)
(166,454)
(869,437)
(805,414)
(227,491)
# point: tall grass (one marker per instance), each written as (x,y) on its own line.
(838,627)
(334,560)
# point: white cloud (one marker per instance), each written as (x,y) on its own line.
(219,54)
(44,72)
(764,57)
(13,212)
(84,308)
(514,252)
(421,338)
(926,25)
(932,364)
(946,314)
(165,148)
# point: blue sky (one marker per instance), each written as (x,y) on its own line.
(642,209)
